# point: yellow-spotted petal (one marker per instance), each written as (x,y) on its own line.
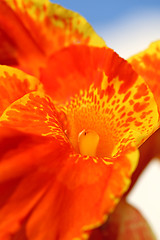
(34,113)
(116,104)
(147,65)
(32,30)
(14,84)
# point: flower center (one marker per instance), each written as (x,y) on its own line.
(88,141)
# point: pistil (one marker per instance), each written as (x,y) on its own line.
(88,142)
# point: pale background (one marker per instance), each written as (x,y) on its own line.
(128,27)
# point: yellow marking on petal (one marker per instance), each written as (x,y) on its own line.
(14,84)
(34,113)
(105,217)
(133,156)
(92,226)
(33,83)
(117,199)
(85,236)
(59,27)
(147,65)
(104,83)
(88,141)
(95,160)
(106,162)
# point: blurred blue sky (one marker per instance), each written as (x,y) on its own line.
(100,11)
(126,26)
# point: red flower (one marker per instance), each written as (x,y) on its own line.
(69,140)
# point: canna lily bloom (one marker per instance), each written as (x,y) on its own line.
(70,131)
(73,160)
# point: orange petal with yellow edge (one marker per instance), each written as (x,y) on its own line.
(49,182)
(31,30)
(147,65)
(125,223)
(34,113)
(14,84)
(80,194)
(104,94)
(76,186)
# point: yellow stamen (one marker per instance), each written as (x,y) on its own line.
(88,141)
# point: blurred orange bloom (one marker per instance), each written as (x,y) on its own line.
(70,130)
(125,223)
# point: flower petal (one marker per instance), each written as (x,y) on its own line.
(17,158)
(31,30)
(79,196)
(34,113)
(106,96)
(70,70)
(23,180)
(14,84)
(147,64)
(44,180)
(125,223)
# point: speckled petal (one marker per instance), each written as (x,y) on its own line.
(34,113)
(31,30)
(115,103)
(14,84)
(46,180)
(147,65)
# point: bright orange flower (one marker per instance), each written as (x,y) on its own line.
(70,138)
(53,179)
